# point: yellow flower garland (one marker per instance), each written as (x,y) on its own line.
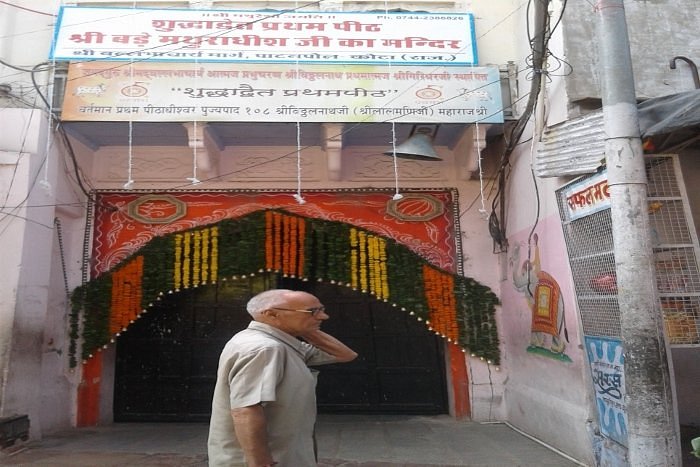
(354,259)
(368,263)
(196,259)
(186,259)
(177,266)
(205,256)
(214,254)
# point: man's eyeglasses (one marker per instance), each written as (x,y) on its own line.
(314,311)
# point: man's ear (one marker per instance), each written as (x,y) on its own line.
(269,314)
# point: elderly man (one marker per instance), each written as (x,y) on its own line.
(264,406)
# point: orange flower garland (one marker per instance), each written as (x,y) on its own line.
(284,243)
(126,295)
(301,252)
(269,252)
(439,294)
(277,218)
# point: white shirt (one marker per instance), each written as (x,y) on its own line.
(262,364)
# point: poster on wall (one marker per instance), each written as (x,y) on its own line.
(100,91)
(188,35)
(606,358)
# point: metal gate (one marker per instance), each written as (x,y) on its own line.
(166,362)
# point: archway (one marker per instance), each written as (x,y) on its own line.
(176,258)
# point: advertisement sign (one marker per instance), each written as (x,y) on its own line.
(108,91)
(606,358)
(263,37)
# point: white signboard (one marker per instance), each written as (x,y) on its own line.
(104,91)
(587,196)
(263,37)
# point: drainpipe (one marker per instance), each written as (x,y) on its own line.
(652,435)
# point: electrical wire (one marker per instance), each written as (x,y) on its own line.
(38,68)
(26,9)
(539,47)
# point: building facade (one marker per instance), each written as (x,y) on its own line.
(87,195)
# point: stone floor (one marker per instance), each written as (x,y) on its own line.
(344,441)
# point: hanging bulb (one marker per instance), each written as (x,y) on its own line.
(397,197)
(193,180)
(300,199)
(129,184)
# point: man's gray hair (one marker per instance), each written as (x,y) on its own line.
(266,300)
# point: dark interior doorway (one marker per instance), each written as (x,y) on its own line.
(166,362)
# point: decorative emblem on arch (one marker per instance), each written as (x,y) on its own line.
(415,207)
(156,209)
(455,307)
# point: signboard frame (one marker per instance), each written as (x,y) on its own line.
(180,34)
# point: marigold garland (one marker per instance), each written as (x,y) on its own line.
(284,243)
(301,242)
(186,264)
(177,269)
(196,257)
(362,245)
(269,241)
(214,254)
(293,247)
(439,292)
(126,295)
(354,259)
(205,256)
(456,307)
(277,241)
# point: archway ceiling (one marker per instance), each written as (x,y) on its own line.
(100,134)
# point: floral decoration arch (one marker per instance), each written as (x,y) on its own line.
(455,307)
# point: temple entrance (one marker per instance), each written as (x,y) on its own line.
(166,362)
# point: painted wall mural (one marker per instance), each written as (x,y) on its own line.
(543,298)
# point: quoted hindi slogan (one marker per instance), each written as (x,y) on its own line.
(264,92)
(263,37)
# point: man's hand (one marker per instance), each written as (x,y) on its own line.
(331,345)
(250,426)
